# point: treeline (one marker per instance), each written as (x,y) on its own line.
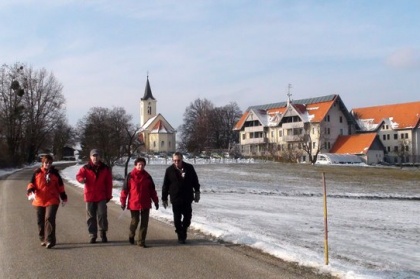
(33,120)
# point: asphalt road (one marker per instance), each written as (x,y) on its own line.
(21,255)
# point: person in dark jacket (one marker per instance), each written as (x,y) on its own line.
(181,184)
(97,178)
(46,188)
(140,190)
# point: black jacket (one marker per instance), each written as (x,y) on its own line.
(180,185)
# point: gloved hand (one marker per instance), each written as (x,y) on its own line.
(31,196)
(196,196)
(165,204)
(82,180)
(157,206)
(123,206)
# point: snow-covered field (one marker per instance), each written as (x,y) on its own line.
(373,213)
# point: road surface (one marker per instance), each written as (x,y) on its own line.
(21,255)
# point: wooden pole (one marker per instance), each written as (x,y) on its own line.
(325,220)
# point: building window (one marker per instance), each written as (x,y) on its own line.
(280,133)
(272,134)
(154,144)
(313,145)
(406,148)
(384,137)
(406,135)
(402,136)
(396,148)
(341,119)
(328,131)
(328,118)
(169,144)
(387,137)
(388,148)
(395,136)
(341,131)
(243,136)
(162,143)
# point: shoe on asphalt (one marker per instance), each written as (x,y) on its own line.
(49,245)
(131,240)
(104,239)
(92,240)
(181,241)
(43,243)
(142,244)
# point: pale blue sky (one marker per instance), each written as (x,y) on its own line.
(366,51)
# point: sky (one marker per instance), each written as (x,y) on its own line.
(241,51)
(372,222)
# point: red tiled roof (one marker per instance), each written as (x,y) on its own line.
(353,144)
(405,115)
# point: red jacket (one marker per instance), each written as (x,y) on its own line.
(97,180)
(47,191)
(140,190)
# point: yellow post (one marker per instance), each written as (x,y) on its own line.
(325,220)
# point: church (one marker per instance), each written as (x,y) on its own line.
(156,134)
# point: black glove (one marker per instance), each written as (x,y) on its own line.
(157,206)
(165,204)
(123,207)
(30,190)
(196,196)
(63,196)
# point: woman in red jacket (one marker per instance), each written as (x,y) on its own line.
(46,188)
(140,190)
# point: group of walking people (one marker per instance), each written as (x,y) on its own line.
(180,184)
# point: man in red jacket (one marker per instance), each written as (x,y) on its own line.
(97,178)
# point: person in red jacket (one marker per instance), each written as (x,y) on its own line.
(140,190)
(46,188)
(97,177)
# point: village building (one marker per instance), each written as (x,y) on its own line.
(287,129)
(398,128)
(156,134)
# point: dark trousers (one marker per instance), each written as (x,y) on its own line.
(96,214)
(182,218)
(136,215)
(46,222)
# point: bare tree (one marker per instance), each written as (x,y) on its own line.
(108,130)
(44,109)
(63,135)
(11,111)
(195,132)
(313,140)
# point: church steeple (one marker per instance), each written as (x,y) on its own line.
(147,104)
(147,91)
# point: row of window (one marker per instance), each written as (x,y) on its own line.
(396,148)
(387,136)
(162,143)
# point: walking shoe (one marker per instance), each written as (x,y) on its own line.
(43,243)
(104,238)
(142,244)
(49,245)
(92,240)
(131,240)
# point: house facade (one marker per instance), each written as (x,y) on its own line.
(156,134)
(289,128)
(398,128)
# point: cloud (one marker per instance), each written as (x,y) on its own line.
(405,58)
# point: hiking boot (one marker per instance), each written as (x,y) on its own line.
(92,240)
(103,237)
(49,245)
(142,244)
(131,240)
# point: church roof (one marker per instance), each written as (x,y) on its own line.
(147,91)
(158,124)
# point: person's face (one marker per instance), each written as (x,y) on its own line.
(177,161)
(95,159)
(46,164)
(140,166)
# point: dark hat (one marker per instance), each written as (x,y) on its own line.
(95,152)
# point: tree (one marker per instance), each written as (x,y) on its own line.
(108,130)
(44,109)
(63,135)
(313,141)
(11,111)
(207,127)
(195,132)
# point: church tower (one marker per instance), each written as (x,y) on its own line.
(147,104)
